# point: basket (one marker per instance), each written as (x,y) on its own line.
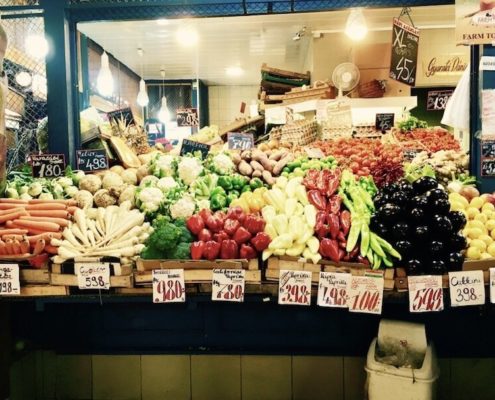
(372,90)
(338,121)
(300,132)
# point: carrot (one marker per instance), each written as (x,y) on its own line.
(72,210)
(11,206)
(61,221)
(69,202)
(43,226)
(25,246)
(3,250)
(51,249)
(38,247)
(11,210)
(9,247)
(12,237)
(16,247)
(13,201)
(13,232)
(49,213)
(12,216)
(46,206)
(47,236)
(11,225)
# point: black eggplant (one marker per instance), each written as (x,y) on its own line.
(437,267)
(455,261)
(458,242)
(423,184)
(421,233)
(390,189)
(414,267)
(382,230)
(404,247)
(458,220)
(406,187)
(381,199)
(441,225)
(436,248)
(399,198)
(419,202)
(389,212)
(440,206)
(400,230)
(437,193)
(417,215)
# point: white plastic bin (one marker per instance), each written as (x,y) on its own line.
(405,383)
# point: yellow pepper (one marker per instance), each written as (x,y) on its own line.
(241,202)
(256,202)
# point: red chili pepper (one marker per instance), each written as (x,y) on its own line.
(341,254)
(310,180)
(231,225)
(322,231)
(213,223)
(317,199)
(212,250)
(261,241)
(197,249)
(345,221)
(334,204)
(342,245)
(254,224)
(195,223)
(354,252)
(333,224)
(363,260)
(333,183)
(229,250)
(220,236)
(341,237)
(247,252)
(204,235)
(236,213)
(330,249)
(242,235)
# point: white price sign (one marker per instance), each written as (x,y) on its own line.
(93,275)
(492,285)
(9,280)
(467,288)
(366,294)
(168,286)
(333,289)
(228,285)
(294,288)
(425,293)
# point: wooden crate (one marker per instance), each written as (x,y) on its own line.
(149,265)
(31,276)
(196,276)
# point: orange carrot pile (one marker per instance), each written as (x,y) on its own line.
(28,226)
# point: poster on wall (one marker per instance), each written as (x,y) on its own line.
(475,21)
(404,60)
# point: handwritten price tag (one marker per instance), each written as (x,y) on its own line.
(9,280)
(228,285)
(168,286)
(294,288)
(93,275)
(425,293)
(333,289)
(366,294)
(467,288)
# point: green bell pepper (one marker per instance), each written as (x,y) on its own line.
(218,190)
(225,182)
(218,201)
(239,181)
(255,183)
(231,197)
(246,188)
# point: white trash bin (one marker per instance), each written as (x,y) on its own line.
(400,343)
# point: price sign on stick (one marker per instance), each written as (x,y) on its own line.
(9,280)
(92,160)
(366,294)
(467,288)
(228,285)
(294,288)
(93,275)
(425,293)
(47,165)
(333,289)
(168,286)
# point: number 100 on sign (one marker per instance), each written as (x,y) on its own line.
(168,286)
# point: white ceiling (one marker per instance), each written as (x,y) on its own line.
(234,41)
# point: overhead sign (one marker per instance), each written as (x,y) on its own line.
(475,21)
(405,41)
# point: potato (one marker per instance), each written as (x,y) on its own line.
(236,157)
(281,164)
(278,155)
(257,174)
(268,178)
(245,169)
(256,166)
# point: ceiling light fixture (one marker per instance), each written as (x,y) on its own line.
(36,46)
(142,97)
(23,78)
(187,36)
(234,71)
(355,26)
(163,113)
(104,81)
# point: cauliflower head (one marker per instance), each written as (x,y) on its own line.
(91,183)
(167,183)
(150,199)
(183,208)
(189,169)
(223,164)
(165,165)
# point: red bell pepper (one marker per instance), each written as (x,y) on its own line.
(231,225)
(330,249)
(212,250)
(205,213)
(341,237)
(333,182)
(221,216)
(341,254)
(317,199)
(214,224)
(333,225)
(197,250)
(334,203)
(236,213)
(247,252)
(310,180)
(195,223)
(221,236)
(261,241)
(321,181)
(204,235)
(321,228)
(242,235)
(354,253)
(345,221)
(254,224)
(229,250)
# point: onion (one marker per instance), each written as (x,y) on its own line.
(469,192)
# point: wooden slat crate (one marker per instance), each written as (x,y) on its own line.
(197,276)
(149,265)
(29,276)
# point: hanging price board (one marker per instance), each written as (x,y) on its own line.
(294,288)
(333,289)
(467,288)
(187,117)
(92,160)
(9,280)
(425,293)
(47,165)
(93,275)
(228,285)
(437,99)
(384,122)
(405,40)
(492,285)
(168,286)
(240,141)
(366,294)
(190,147)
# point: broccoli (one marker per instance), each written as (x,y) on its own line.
(182,251)
(168,240)
(185,236)
(150,253)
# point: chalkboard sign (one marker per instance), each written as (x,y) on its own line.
(91,160)
(187,117)
(409,154)
(488,158)
(488,168)
(240,141)
(47,165)
(437,99)
(405,40)
(190,146)
(384,122)
(123,115)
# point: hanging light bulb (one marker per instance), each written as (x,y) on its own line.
(164,114)
(23,78)
(142,97)
(355,26)
(104,81)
